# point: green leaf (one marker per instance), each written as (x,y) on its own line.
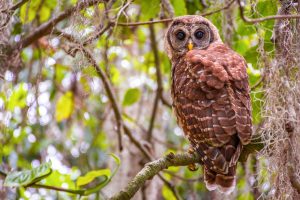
(179,7)
(149,8)
(32,9)
(17,98)
(28,177)
(90,176)
(132,95)
(64,106)
(105,173)
(167,193)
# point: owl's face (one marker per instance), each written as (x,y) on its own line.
(189,32)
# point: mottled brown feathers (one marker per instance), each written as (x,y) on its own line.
(211,100)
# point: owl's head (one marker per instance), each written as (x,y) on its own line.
(189,32)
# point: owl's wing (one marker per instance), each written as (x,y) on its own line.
(222,76)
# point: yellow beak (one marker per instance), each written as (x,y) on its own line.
(190,45)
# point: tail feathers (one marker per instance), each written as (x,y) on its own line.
(224,183)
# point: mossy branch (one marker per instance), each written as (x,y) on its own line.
(182,159)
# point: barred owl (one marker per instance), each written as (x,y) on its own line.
(211,101)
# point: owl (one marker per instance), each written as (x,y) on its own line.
(210,94)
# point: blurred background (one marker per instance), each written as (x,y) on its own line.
(55,106)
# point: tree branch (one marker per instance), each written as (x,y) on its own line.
(170,19)
(258,20)
(182,159)
(10,11)
(46,27)
(158,81)
(151,169)
(49,187)
(102,76)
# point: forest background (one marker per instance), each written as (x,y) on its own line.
(85,99)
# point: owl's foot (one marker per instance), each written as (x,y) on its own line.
(191,150)
(192,167)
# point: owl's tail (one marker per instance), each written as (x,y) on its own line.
(224,183)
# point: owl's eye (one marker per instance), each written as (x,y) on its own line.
(180,35)
(199,34)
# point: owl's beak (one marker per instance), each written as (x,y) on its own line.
(190,45)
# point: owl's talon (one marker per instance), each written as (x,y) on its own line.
(192,167)
(191,150)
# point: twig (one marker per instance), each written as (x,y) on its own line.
(97,34)
(14,7)
(199,179)
(170,19)
(170,186)
(46,27)
(153,116)
(262,78)
(258,20)
(159,82)
(10,11)
(49,187)
(110,94)
(203,3)
(103,77)
(157,67)
(151,169)
(166,4)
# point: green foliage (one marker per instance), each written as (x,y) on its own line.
(92,175)
(44,114)
(28,177)
(18,97)
(179,7)
(131,96)
(37,8)
(64,106)
(150,9)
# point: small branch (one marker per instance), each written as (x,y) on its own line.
(110,94)
(36,185)
(157,67)
(46,27)
(153,116)
(203,3)
(170,186)
(97,34)
(14,7)
(158,80)
(262,78)
(166,4)
(258,20)
(171,19)
(183,159)
(102,76)
(199,179)
(151,169)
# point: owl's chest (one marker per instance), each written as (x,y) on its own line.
(185,84)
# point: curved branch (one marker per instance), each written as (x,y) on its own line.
(182,159)
(151,169)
